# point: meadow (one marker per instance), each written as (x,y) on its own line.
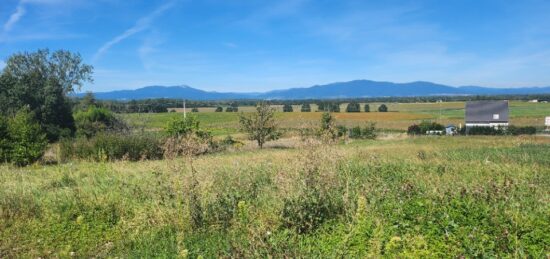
(444,197)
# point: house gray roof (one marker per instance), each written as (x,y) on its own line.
(485,111)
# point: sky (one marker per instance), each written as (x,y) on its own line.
(259,45)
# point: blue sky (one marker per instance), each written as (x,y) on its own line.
(257,45)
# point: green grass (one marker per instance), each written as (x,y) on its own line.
(412,197)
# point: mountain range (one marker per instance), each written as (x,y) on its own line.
(351,89)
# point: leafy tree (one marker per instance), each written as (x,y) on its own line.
(219,109)
(195,109)
(383,108)
(95,120)
(260,126)
(306,107)
(42,81)
(28,142)
(353,107)
(287,108)
(87,101)
(5,143)
(367,107)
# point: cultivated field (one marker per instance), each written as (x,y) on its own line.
(401,116)
(408,197)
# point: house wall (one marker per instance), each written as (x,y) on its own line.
(487,124)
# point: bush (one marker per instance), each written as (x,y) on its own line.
(367,107)
(485,131)
(179,125)
(414,130)
(305,107)
(353,107)
(95,120)
(527,130)
(383,108)
(112,146)
(287,108)
(195,110)
(424,127)
(368,132)
(28,142)
(219,109)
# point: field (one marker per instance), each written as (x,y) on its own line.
(405,197)
(401,116)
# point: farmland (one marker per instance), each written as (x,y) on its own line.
(401,115)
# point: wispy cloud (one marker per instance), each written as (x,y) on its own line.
(141,25)
(2,64)
(15,17)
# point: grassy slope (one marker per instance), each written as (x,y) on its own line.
(433,197)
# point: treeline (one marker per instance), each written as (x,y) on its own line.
(332,105)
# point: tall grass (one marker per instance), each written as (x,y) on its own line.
(368,199)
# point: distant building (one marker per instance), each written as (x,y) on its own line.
(534,101)
(486,114)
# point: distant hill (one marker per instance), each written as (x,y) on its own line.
(351,89)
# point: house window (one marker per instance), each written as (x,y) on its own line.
(496,116)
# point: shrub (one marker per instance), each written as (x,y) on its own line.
(383,108)
(28,142)
(353,107)
(485,131)
(516,130)
(219,109)
(328,128)
(95,120)
(414,130)
(342,130)
(287,108)
(368,132)
(195,109)
(306,107)
(367,107)
(179,125)
(112,146)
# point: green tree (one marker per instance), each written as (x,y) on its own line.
(367,107)
(306,107)
(195,109)
(42,81)
(260,126)
(219,109)
(383,108)
(28,142)
(95,120)
(5,143)
(353,107)
(182,126)
(287,108)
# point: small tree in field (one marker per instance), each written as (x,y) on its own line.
(367,107)
(287,108)
(260,126)
(306,107)
(353,107)
(383,108)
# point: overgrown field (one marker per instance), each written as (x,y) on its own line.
(401,116)
(412,197)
